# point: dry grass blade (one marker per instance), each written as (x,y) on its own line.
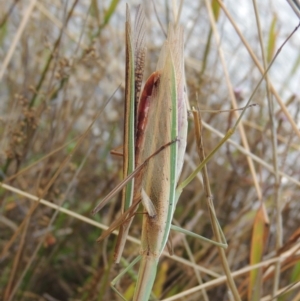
(118,188)
(258,245)
(130,177)
(17,37)
(209,200)
(125,217)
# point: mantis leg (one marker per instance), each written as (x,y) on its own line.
(223,245)
(126,270)
(115,280)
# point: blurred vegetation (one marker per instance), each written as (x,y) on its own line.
(61,62)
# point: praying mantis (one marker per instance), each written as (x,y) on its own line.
(154,146)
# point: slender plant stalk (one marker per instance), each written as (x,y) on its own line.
(276,195)
(209,199)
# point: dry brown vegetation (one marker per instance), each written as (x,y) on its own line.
(60,63)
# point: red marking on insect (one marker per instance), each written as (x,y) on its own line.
(142,118)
